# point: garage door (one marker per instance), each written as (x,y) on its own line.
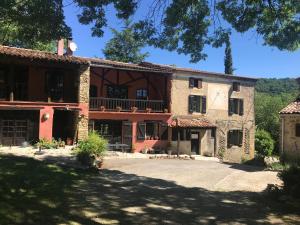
(14,132)
(17,127)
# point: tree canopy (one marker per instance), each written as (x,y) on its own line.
(125,46)
(32,23)
(185,26)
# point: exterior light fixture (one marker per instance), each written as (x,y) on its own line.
(46,116)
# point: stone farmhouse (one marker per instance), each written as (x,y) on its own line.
(142,106)
(290,129)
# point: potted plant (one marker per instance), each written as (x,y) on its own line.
(90,151)
(118,108)
(166,110)
(69,141)
(102,108)
(148,110)
(134,109)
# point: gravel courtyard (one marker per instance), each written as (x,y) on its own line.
(210,175)
(34,190)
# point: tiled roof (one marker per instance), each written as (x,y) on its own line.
(132,66)
(40,55)
(196,72)
(192,122)
(293,108)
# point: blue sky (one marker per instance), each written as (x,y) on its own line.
(250,57)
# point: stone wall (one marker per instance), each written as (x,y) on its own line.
(217,92)
(289,143)
(84,86)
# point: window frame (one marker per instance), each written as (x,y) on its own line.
(112,93)
(143,91)
(235,138)
(197,103)
(236,86)
(195,82)
(236,106)
(160,130)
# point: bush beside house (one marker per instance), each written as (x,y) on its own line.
(264,144)
(91,150)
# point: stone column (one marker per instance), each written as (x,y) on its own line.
(83,99)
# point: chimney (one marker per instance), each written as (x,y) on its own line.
(60,47)
(69,51)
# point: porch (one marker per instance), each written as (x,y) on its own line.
(123,90)
(127,105)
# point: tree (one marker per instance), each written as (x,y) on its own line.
(185,26)
(228,58)
(264,144)
(32,23)
(125,46)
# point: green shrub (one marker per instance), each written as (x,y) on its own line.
(264,144)
(291,180)
(46,144)
(94,146)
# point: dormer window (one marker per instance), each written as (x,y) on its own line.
(236,86)
(195,83)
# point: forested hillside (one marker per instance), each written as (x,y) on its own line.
(271,96)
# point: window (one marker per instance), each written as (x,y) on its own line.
(236,106)
(117,91)
(235,138)
(195,83)
(197,104)
(298,130)
(93,91)
(236,86)
(152,130)
(55,85)
(185,134)
(141,94)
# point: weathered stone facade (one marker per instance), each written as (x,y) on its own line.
(218,90)
(289,142)
(84,85)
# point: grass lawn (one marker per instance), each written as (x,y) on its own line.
(34,192)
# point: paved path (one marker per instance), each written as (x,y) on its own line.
(204,174)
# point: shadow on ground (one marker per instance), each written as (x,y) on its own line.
(33,192)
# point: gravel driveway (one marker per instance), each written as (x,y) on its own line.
(210,175)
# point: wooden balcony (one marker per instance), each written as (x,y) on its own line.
(126,105)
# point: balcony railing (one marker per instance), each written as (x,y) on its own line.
(126,105)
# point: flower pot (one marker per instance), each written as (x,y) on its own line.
(134,109)
(118,108)
(148,110)
(166,110)
(69,141)
(102,108)
(99,164)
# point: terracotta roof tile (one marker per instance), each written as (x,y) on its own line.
(116,64)
(196,72)
(293,108)
(40,55)
(199,122)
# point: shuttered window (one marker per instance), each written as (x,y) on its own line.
(195,83)
(236,86)
(197,104)
(152,130)
(234,138)
(185,134)
(298,130)
(236,106)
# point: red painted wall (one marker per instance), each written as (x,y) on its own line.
(134,118)
(156,90)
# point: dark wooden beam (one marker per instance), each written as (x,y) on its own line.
(134,80)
